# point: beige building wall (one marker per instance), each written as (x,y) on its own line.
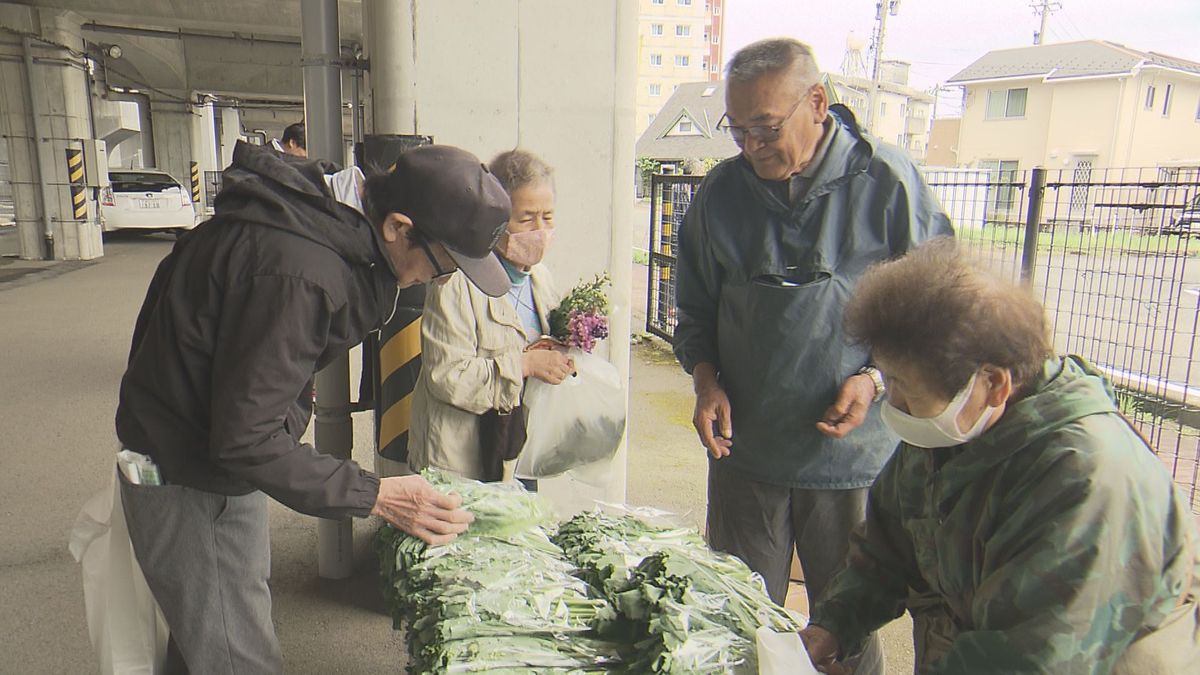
(1083,122)
(1020,138)
(1156,137)
(943,142)
(1107,121)
(902,120)
(668,31)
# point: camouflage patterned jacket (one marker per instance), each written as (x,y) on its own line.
(1045,546)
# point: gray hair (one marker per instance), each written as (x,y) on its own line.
(775,55)
(518,168)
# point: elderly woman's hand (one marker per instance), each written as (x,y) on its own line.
(850,409)
(822,649)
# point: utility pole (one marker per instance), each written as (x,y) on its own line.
(1043,8)
(883,8)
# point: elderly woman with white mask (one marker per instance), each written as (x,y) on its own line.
(477,351)
(1023,522)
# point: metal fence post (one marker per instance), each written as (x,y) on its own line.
(1033,221)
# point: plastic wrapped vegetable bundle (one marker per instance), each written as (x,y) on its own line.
(499,599)
(685,608)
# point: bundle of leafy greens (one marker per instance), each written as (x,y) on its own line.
(500,598)
(605,594)
(683,607)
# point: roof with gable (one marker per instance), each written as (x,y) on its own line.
(1068,60)
(704,104)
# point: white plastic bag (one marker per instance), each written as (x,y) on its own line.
(782,654)
(125,625)
(573,424)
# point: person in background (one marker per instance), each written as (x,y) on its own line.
(1025,524)
(477,351)
(291,272)
(293,141)
(768,252)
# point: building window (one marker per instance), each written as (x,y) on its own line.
(656,2)
(685,126)
(656,29)
(1198,111)
(714,69)
(682,60)
(883,108)
(716,9)
(1167,100)
(716,39)
(1002,195)
(656,89)
(704,64)
(1150,97)
(1006,103)
(656,59)
(650,118)
(683,30)
(685,3)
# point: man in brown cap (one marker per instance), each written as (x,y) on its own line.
(289,273)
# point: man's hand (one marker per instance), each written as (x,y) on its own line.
(850,408)
(712,409)
(548,365)
(822,649)
(413,505)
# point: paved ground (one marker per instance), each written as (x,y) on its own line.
(65,331)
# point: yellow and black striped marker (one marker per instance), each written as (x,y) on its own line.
(75,175)
(664,244)
(399,367)
(195,183)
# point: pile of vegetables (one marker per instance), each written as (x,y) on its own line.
(499,599)
(684,608)
(604,594)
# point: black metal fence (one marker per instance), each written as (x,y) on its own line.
(1110,253)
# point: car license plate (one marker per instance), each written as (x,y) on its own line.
(147,203)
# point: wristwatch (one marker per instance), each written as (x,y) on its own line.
(876,379)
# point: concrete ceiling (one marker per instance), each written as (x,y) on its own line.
(261,17)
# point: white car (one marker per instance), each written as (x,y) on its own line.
(145,199)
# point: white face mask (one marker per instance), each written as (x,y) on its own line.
(940,431)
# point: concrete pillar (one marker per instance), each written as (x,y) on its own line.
(204,151)
(44,112)
(171,128)
(388,27)
(231,131)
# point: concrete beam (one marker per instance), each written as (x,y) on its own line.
(268,18)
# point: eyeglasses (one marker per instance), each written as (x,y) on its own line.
(439,273)
(763,133)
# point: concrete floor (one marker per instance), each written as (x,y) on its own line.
(65,333)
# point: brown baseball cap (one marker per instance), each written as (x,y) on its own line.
(453,199)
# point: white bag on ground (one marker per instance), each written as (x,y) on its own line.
(125,625)
(575,423)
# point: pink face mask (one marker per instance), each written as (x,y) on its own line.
(526,248)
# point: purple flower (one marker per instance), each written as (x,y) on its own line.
(584,329)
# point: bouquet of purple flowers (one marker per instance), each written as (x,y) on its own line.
(581,319)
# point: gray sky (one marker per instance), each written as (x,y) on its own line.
(940,37)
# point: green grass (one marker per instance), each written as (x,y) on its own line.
(1072,240)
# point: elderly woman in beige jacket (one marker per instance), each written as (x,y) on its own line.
(475,349)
